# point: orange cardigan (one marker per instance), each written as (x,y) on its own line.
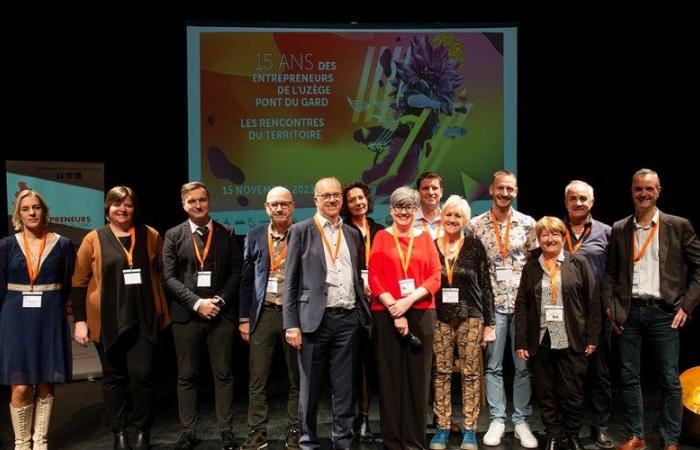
(88,273)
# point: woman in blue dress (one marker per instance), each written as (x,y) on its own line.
(35,347)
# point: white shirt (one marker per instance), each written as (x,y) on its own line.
(343,295)
(645,276)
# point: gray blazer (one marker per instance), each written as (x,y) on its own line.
(305,287)
(679,266)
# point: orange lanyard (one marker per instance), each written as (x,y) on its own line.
(275,263)
(426,228)
(407,260)
(503,243)
(367,245)
(647,242)
(449,268)
(203,256)
(553,276)
(33,272)
(129,253)
(574,248)
(326,244)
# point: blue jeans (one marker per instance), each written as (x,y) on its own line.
(493,375)
(652,322)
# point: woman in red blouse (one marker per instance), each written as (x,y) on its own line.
(404,274)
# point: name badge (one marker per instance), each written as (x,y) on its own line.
(450,295)
(365,276)
(31,299)
(503,274)
(554,313)
(333,277)
(132,276)
(272,285)
(204,279)
(407,286)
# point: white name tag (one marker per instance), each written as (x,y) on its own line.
(132,276)
(333,277)
(554,313)
(407,286)
(204,279)
(503,274)
(271,285)
(450,295)
(365,276)
(31,299)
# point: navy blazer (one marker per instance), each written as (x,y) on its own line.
(579,299)
(256,272)
(679,266)
(180,268)
(305,287)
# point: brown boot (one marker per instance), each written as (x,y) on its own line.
(22,424)
(42,418)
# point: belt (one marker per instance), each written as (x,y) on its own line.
(274,306)
(36,288)
(338,310)
(648,301)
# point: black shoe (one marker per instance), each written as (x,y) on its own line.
(292,439)
(143,440)
(121,440)
(228,440)
(552,443)
(257,439)
(574,442)
(601,438)
(186,441)
(365,431)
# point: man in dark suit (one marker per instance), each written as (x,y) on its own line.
(201,272)
(652,285)
(262,285)
(324,307)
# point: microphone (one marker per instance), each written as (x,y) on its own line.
(413,340)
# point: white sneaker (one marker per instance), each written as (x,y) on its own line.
(495,433)
(527,439)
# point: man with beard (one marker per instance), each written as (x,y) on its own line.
(508,237)
(262,285)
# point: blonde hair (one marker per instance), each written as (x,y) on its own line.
(16,220)
(551,224)
(460,204)
(191,186)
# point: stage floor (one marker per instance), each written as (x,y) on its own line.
(79,422)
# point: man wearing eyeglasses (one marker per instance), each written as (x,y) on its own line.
(323,310)
(262,284)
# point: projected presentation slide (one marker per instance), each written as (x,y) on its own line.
(272,107)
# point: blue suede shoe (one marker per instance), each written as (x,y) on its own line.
(439,441)
(469,440)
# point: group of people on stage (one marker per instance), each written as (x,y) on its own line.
(340,292)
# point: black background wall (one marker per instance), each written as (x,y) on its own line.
(601,93)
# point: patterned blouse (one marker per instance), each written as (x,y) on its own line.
(557,329)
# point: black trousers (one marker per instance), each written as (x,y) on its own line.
(268,332)
(126,366)
(598,381)
(558,379)
(218,337)
(404,378)
(332,345)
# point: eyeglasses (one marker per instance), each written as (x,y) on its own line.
(282,205)
(407,208)
(328,195)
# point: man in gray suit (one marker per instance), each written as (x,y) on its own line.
(323,309)
(652,285)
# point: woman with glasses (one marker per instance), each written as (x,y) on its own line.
(35,348)
(465,315)
(357,203)
(404,275)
